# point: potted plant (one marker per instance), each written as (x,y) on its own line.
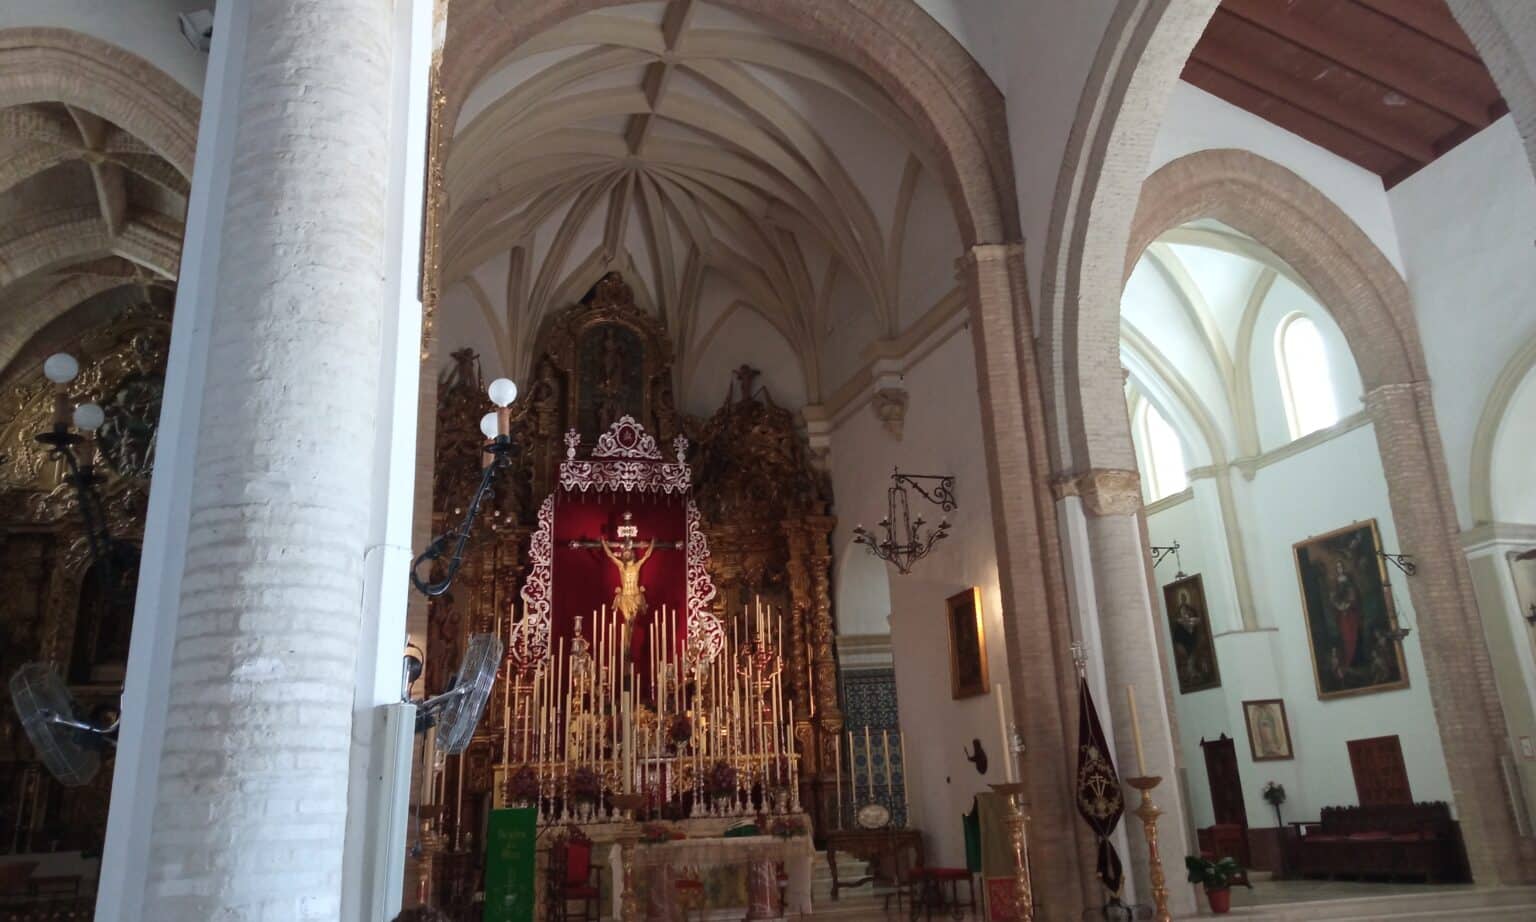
(1274,795)
(1216,876)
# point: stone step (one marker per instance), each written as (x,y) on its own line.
(1484,903)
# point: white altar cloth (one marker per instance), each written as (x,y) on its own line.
(717,851)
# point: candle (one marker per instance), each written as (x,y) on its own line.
(901,739)
(885,744)
(1141,757)
(853,770)
(869,766)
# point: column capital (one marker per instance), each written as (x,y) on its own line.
(988,252)
(1104,491)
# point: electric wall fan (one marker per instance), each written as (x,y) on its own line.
(71,748)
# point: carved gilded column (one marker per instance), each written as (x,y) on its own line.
(797,566)
(818,529)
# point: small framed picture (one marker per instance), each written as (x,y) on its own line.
(967,645)
(1269,733)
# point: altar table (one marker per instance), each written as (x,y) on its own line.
(658,860)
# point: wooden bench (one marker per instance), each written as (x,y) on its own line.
(1383,841)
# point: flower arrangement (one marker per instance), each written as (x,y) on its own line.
(523,786)
(1274,793)
(788,827)
(653,833)
(584,785)
(720,780)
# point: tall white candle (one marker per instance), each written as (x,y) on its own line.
(1141,758)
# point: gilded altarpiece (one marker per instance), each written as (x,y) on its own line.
(58,608)
(763,505)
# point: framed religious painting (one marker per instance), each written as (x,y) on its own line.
(967,645)
(1189,626)
(1269,733)
(1350,618)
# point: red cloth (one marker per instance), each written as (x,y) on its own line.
(584,578)
(578,863)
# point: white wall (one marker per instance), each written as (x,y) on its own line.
(1318,490)
(943,427)
(1197,121)
(1467,223)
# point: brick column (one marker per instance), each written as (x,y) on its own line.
(1130,652)
(1036,629)
(252,802)
(1450,630)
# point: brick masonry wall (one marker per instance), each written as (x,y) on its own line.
(250,815)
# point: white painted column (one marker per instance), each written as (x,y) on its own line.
(1107,568)
(1491,550)
(273,603)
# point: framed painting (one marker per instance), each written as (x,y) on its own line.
(1350,618)
(1269,733)
(1189,626)
(967,645)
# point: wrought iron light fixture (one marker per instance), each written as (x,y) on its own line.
(1403,562)
(497,454)
(1160,553)
(905,545)
(72,439)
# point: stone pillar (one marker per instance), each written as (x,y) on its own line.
(1450,631)
(1107,505)
(251,806)
(1036,627)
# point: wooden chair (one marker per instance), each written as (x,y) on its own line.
(573,877)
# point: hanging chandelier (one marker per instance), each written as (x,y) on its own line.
(905,544)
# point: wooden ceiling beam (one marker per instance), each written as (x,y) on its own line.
(1433,20)
(1276,84)
(1331,45)
(1357,150)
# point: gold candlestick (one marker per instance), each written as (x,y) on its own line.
(1147,812)
(1018,822)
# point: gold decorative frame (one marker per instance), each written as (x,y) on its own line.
(1379,571)
(962,617)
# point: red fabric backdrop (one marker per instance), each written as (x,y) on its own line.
(584,578)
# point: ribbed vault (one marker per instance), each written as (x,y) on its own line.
(691,146)
(90,212)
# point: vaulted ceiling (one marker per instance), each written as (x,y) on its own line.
(90,221)
(723,167)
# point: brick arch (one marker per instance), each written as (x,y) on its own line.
(1353,280)
(1370,302)
(955,107)
(60,65)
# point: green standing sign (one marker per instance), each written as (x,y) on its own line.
(511,843)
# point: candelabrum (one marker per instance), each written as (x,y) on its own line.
(496,455)
(72,438)
(1018,834)
(904,544)
(1148,812)
(629,898)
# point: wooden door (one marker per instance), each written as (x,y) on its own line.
(1226,784)
(1227,789)
(1381,777)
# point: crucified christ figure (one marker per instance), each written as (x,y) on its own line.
(629,595)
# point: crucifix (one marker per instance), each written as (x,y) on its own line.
(629,596)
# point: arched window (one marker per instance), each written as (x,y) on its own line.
(1304,378)
(1164,454)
